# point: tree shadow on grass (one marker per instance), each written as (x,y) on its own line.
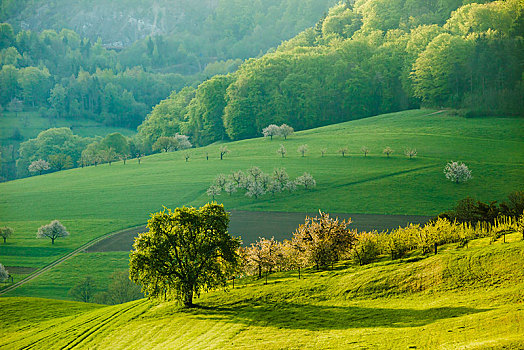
(315,317)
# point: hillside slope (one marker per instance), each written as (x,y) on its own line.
(468,298)
(96,200)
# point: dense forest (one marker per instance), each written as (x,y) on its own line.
(362,59)
(111,62)
(181,36)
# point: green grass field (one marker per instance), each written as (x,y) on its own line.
(97,200)
(460,298)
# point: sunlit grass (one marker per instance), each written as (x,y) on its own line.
(437,302)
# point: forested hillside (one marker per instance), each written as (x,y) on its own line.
(110,62)
(363,59)
(180,36)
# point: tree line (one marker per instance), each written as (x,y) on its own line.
(358,62)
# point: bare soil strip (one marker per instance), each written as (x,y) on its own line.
(250,225)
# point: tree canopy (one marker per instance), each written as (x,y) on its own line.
(185,251)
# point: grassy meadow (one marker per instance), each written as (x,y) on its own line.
(93,201)
(461,298)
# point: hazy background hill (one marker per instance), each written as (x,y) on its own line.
(202,30)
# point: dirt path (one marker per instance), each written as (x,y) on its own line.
(68,256)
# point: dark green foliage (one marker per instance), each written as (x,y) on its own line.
(185,251)
(84,290)
(514,206)
(473,211)
(206,109)
(120,290)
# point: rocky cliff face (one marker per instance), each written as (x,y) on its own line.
(118,22)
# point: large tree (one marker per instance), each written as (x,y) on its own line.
(186,250)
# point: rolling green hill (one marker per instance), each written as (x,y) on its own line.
(461,298)
(96,200)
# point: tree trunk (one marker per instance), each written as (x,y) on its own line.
(4,239)
(188,299)
(52,240)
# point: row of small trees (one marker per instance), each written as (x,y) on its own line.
(256,183)
(304,149)
(319,242)
(322,241)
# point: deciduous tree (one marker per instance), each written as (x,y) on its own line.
(410,152)
(323,239)
(6,232)
(4,274)
(282,151)
(223,151)
(270,131)
(457,172)
(286,130)
(83,290)
(387,151)
(302,149)
(186,251)
(38,166)
(52,231)
(306,180)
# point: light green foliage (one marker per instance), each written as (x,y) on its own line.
(323,240)
(401,57)
(167,117)
(35,85)
(437,72)
(59,143)
(367,248)
(204,112)
(60,161)
(184,252)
